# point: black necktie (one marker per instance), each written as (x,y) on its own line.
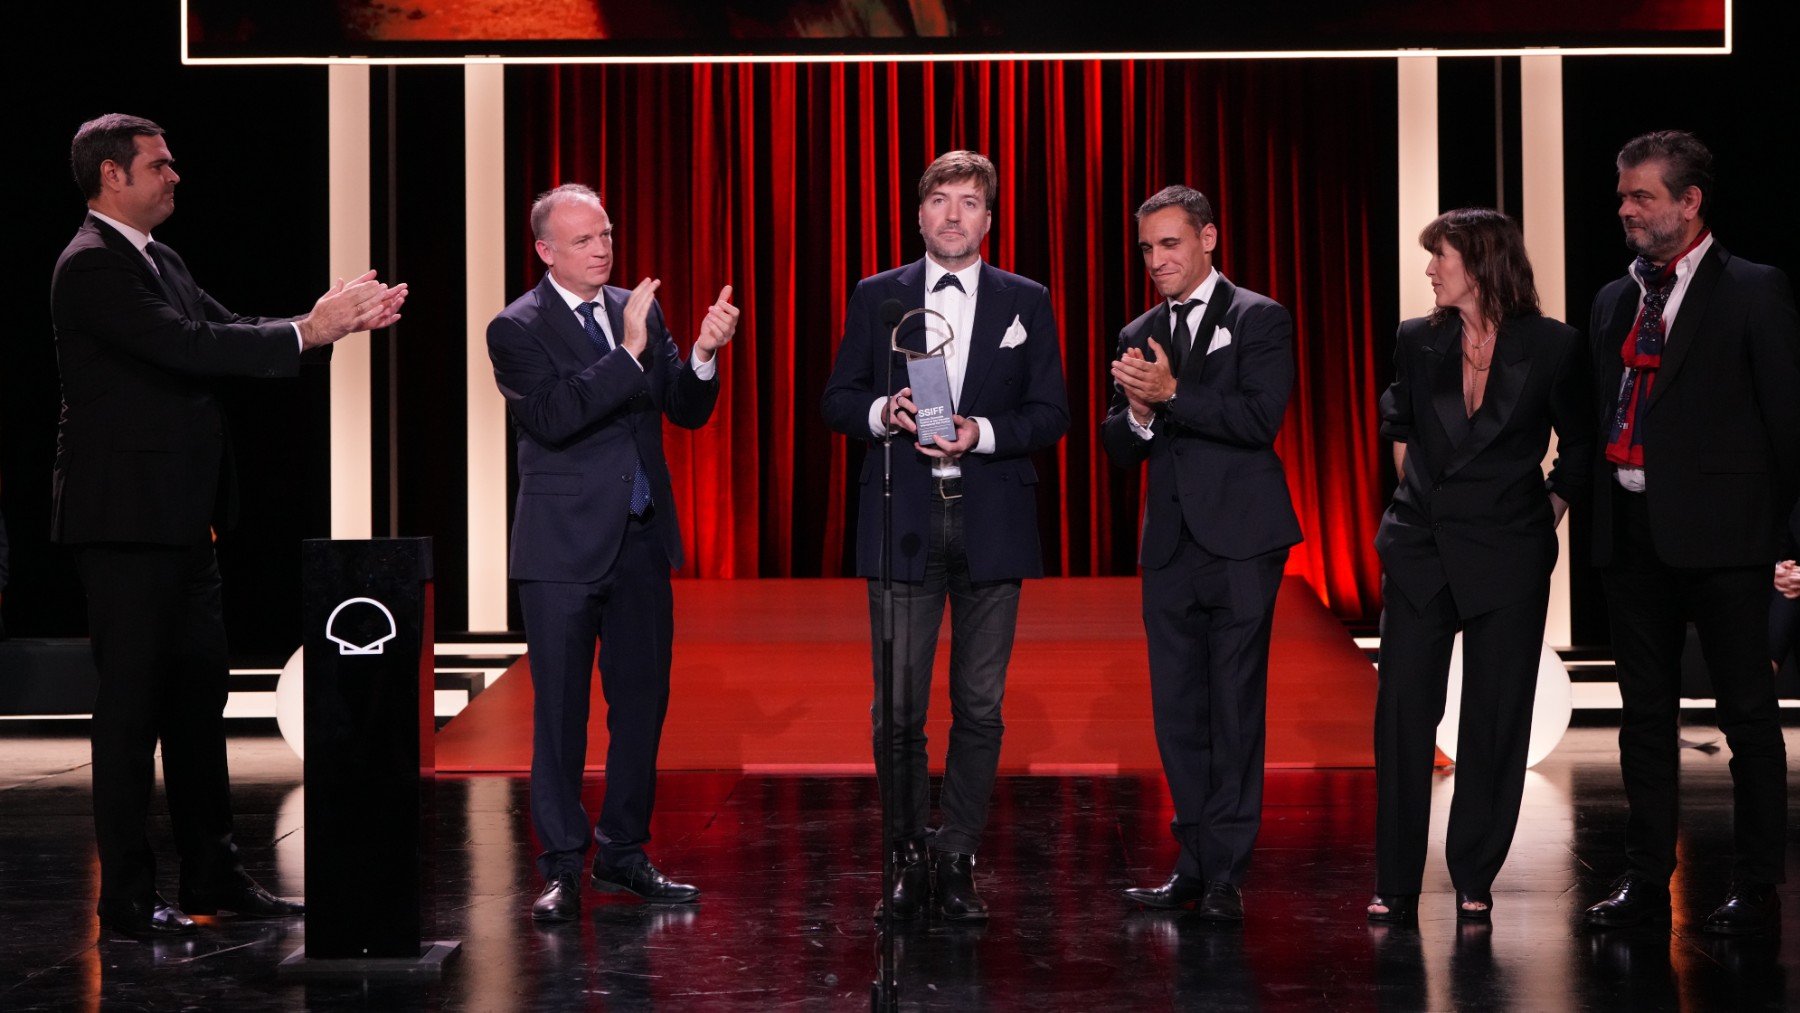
(1180,335)
(159,264)
(640,480)
(948,281)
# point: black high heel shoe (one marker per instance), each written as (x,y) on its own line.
(1402,908)
(1483,915)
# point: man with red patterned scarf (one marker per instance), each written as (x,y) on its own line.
(1697,355)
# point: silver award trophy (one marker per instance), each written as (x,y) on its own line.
(928,374)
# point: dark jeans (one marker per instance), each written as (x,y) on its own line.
(1500,661)
(631,611)
(1651,603)
(983,617)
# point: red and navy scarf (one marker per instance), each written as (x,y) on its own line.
(1642,356)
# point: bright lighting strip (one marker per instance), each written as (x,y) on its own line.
(1285,54)
(1280,54)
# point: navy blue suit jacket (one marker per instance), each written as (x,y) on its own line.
(1019,390)
(1212,458)
(583,419)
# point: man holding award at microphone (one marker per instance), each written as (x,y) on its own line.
(964,507)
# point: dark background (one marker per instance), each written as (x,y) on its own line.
(250,143)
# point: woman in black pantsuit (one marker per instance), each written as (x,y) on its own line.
(1467,545)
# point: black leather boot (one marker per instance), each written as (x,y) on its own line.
(912,881)
(956,899)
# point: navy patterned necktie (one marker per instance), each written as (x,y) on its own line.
(949,281)
(640,481)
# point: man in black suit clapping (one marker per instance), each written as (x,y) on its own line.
(143,480)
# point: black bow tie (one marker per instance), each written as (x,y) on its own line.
(948,281)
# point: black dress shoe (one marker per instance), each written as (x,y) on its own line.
(1635,900)
(561,899)
(912,882)
(149,918)
(956,899)
(1483,915)
(1179,891)
(240,896)
(1221,903)
(641,879)
(1402,908)
(1750,909)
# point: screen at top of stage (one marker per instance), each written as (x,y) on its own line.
(688,30)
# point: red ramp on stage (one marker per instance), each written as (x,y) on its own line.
(774,675)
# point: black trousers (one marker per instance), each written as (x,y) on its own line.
(1500,663)
(1651,603)
(983,617)
(157,625)
(631,610)
(1208,621)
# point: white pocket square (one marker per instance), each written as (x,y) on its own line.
(1015,335)
(1221,338)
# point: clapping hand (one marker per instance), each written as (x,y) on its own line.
(717,329)
(362,304)
(637,311)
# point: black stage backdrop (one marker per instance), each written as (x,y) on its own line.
(1299,158)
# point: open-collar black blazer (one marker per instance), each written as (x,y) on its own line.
(1472,508)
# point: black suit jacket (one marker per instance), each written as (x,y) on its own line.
(583,420)
(1019,390)
(142,453)
(1722,426)
(1212,457)
(1475,512)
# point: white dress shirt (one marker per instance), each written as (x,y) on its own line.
(1633,478)
(142,240)
(702,370)
(1203,293)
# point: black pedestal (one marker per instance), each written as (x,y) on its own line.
(367,609)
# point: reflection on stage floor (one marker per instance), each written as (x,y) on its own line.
(789,874)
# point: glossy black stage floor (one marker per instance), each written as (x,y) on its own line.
(789,874)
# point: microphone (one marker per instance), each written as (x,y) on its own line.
(891,312)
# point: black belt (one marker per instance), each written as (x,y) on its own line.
(947,489)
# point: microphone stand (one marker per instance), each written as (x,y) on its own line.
(884,994)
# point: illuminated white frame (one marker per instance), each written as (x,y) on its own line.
(1278,54)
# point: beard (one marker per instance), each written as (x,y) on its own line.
(950,246)
(1658,240)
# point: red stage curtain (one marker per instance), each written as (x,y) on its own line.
(793,181)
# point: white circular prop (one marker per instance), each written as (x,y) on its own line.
(290,702)
(1549,711)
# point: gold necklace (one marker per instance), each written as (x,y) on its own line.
(1472,385)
